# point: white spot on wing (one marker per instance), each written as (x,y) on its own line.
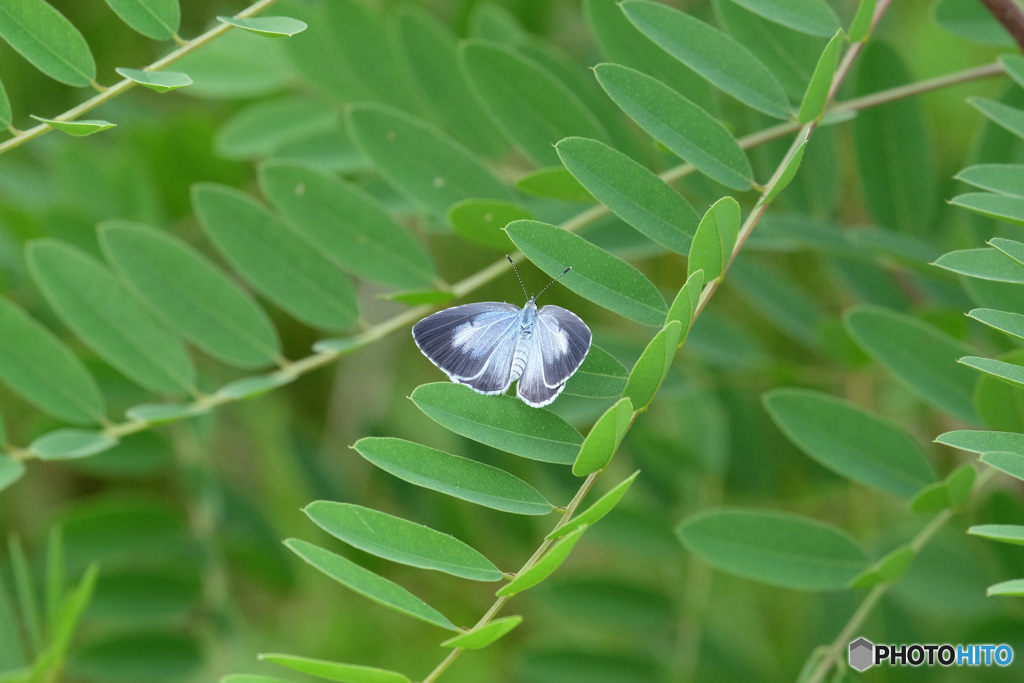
(462,334)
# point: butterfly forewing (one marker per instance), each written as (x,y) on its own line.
(473,344)
(564,340)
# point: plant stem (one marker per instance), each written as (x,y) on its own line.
(1009,15)
(107,94)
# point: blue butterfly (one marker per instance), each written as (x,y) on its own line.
(489,345)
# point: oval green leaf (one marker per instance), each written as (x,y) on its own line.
(270,27)
(850,441)
(545,566)
(807,16)
(40,368)
(652,366)
(998,206)
(711,53)
(504,422)
(368,584)
(596,275)
(687,130)
(347,225)
(919,355)
(715,240)
(600,376)
(1004,321)
(251,387)
(1008,463)
(1000,178)
(601,507)
(400,540)
(335,671)
(421,161)
(984,263)
(684,306)
(604,439)
(553,182)
(1010,118)
(633,193)
(483,221)
(453,475)
(275,260)
(190,294)
(263,128)
(1007,372)
(66,444)
(11,470)
(78,128)
(156,19)
(518,93)
(1006,533)
(980,441)
(484,635)
(160,81)
(93,303)
(44,37)
(780,549)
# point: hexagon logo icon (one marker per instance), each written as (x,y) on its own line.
(861,654)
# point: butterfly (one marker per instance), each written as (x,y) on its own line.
(489,345)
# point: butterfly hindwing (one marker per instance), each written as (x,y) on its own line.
(561,342)
(473,344)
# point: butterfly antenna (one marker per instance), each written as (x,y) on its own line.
(552,282)
(517,275)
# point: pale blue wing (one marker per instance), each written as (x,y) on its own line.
(473,344)
(564,341)
(531,387)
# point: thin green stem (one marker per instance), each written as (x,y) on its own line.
(107,94)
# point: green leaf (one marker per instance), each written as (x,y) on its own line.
(78,128)
(816,95)
(919,355)
(684,306)
(93,303)
(347,225)
(44,37)
(420,161)
(1009,463)
(890,568)
(41,369)
(399,540)
(900,185)
(418,297)
(275,260)
(788,172)
(979,441)
(971,20)
(190,294)
(711,53)
(1004,321)
(237,65)
(267,126)
(1000,178)
(12,657)
(430,50)
(1000,207)
(1010,118)
(65,444)
(601,507)
(504,422)
(483,221)
(1013,587)
(651,368)
(600,376)
(861,446)
(482,636)
(453,475)
(1013,65)
(715,240)
(174,656)
(777,548)
(25,589)
(633,193)
(71,609)
(1007,372)
(270,27)
(157,413)
(953,491)
(554,182)
(11,470)
(984,263)
(545,566)
(368,584)
(518,93)
(960,483)
(160,81)
(1011,248)
(250,387)
(686,129)
(1007,533)
(335,671)
(604,439)
(860,26)
(807,16)
(5,108)
(156,19)
(596,275)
